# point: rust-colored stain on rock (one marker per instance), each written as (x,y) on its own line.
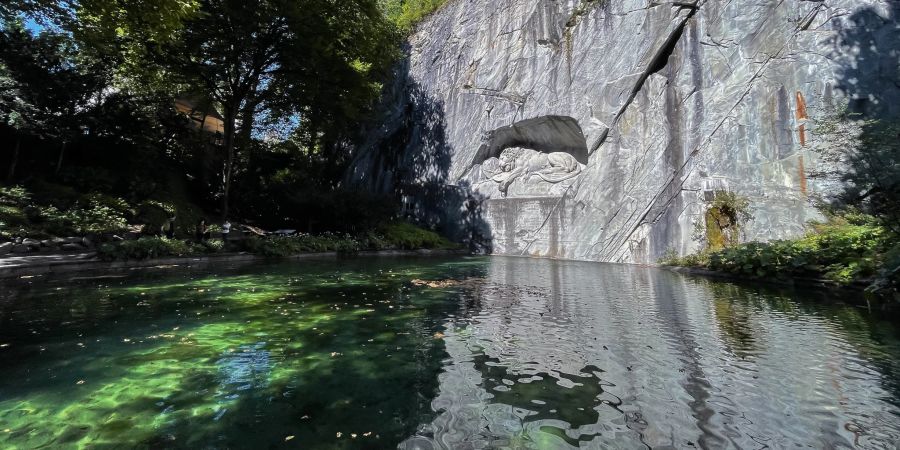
(801,107)
(801,117)
(801,169)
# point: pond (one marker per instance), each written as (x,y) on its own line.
(439,353)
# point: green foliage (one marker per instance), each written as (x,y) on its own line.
(293,245)
(671,258)
(845,250)
(864,156)
(53,194)
(22,215)
(725,218)
(391,236)
(154,214)
(407,13)
(280,200)
(13,219)
(50,86)
(87,217)
(407,236)
(14,196)
(153,247)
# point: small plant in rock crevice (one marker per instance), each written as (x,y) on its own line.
(725,219)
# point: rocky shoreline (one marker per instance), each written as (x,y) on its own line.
(23,246)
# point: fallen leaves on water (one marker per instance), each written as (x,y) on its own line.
(288,438)
(435,284)
(80,382)
(339,434)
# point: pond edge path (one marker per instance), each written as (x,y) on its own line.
(39,265)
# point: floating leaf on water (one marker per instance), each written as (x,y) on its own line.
(288,438)
(367,434)
(80,382)
(353,435)
(339,434)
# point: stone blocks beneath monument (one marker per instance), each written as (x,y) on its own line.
(529,226)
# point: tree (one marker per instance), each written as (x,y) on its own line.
(48,87)
(864,156)
(313,60)
(406,13)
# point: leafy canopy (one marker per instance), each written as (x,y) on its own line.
(407,13)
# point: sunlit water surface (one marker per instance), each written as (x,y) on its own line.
(515,353)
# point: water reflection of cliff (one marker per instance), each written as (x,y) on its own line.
(564,354)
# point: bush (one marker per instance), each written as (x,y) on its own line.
(725,219)
(154,215)
(406,13)
(14,196)
(397,235)
(150,247)
(92,214)
(292,245)
(845,250)
(407,236)
(46,193)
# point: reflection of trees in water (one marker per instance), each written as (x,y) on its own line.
(251,357)
(873,339)
(573,399)
(733,317)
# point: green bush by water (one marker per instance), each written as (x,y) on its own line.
(407,236)
(849,249)
(293,245)
(397,235)
(47,210)
(157,247)
(391,236)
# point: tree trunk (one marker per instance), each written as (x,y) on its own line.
(230,119)
(62,153)
(15,160)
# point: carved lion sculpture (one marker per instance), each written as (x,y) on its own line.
(512,165)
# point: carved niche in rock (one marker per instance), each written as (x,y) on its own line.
(533,157)
(525,172)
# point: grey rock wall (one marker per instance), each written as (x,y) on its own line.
(599,130)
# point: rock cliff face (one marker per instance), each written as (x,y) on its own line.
(601,129)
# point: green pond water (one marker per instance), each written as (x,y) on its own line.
(509,353)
